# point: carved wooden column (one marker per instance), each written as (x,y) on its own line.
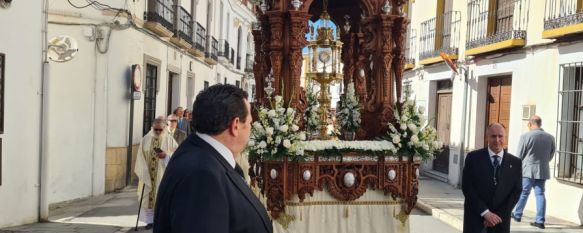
(399,54)
(387,43)
(276,22)
(298,30)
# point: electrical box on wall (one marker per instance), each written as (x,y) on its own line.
(528,111)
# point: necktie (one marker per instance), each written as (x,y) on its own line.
(496,165)
(239,170)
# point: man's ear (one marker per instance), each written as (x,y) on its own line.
(234,127)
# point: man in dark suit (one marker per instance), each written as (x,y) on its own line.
(536,149)
(203,189)
(183,122)
(492,182)
(173,130)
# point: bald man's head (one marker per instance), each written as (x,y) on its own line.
(535,122)
(496,135)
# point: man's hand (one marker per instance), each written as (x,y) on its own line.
(161,154)
(491,219)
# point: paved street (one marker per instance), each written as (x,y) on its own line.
(439,211)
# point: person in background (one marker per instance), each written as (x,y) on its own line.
(173,131)
(536,148)
(153,155)
(183,124)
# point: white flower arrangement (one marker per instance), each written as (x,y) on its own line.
(311,115)
(411,135)
(357,146)
(275,134)
(348,112)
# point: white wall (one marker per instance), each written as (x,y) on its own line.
(21,41)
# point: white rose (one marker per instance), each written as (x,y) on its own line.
(269,131)
(396,139)
(421,109)
(286,143)
(278,99)
(435,144)
(302,136)
(276,122)
(251,143)
(414,139)
(290,110)
(295,128)
(257,125)
(404,118)
(300,152)
(412,127)
(277,140)
(271,113)
(283,128)
(425,147)
(262,144)
(403,126)
(264,110)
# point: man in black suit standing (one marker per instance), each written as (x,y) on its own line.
(492,182)
(203,189)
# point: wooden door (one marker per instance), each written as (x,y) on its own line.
(443,123)
(498,104)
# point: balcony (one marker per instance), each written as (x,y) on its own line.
(493,27)
(249,63)
(211,54)
(159,17)
(183,28)
(440,34)
(199,42)
(411,49)
(563,18)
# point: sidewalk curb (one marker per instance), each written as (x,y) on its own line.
(441,215)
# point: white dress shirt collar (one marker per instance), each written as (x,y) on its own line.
(492,153)
(222,149)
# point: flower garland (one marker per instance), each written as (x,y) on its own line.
(275,134)
(411,135)
(336,147)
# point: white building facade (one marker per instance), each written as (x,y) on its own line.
(519,57)
(181,47)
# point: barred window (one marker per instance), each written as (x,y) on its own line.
(569,161)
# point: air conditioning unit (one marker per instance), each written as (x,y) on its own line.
(528,111)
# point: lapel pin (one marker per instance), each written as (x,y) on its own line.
(510,165)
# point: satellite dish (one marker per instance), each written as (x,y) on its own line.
(62,48)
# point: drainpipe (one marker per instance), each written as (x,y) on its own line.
(461,161)
(43,178)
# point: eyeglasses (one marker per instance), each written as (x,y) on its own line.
(173,120)
(158,130)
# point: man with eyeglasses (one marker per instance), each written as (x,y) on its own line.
(178,134)
(153,155)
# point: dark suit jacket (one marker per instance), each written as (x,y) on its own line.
(202,193)
(179,136)
(481,193)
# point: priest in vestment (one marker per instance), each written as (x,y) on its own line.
(154,153)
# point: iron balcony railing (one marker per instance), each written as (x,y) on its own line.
(489,23)
(161,11)
(200,39)
(238,62)
(232,60)
(440,34)
(411,49)
(561,13)
(249,63)
(183,24)
(224,48)
(214,49)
